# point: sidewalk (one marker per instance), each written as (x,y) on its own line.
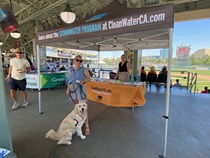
(115,132)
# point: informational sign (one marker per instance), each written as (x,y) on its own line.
(64,53)
(109,23)
(32,81)
(116,94)
(183,50)
(48,80)
(53,80)
(183,53)
(51,52)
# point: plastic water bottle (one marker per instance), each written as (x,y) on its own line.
(132,79)
(8,82)
(138,78)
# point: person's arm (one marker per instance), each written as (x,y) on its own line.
(9,73)
(68,89)
(28,69)
(87,77)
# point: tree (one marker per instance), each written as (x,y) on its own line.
(112,61)
(200,61)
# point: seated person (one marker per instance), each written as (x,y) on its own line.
(177,84)
(62,68)
(205,90)
(89,70)
(50,66)
(71,66)
(142,70)
(94,72)
(164,70)
(57,68)
(152,70)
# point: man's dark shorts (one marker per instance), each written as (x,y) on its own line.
(18,84)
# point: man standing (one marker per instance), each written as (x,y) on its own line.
(17,76)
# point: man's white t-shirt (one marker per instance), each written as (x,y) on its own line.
(19,64)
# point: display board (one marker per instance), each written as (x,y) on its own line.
(48,80)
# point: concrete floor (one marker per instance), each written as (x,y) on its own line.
(115,132)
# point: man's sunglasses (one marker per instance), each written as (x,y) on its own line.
(77,60)
(19,53)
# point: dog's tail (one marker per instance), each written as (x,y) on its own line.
(51,135)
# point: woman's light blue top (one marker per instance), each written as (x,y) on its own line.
(79,74)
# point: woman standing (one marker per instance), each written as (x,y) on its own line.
(123,70)
(76,87)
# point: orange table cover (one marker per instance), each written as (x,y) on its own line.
(119,95)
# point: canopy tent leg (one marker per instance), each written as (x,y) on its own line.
(39,79)
(166,116)
(98,61)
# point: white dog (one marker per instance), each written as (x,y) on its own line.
(70,125)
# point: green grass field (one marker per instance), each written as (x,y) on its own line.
(203,77)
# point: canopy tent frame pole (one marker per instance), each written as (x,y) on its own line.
(148,37)
(166,116)
(98,60)
(39,79)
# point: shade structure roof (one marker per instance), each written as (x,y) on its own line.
(115,27)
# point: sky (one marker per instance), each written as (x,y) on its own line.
(195,33)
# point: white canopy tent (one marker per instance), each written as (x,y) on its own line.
(116,27)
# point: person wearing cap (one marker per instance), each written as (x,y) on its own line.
(17,77)
(152,70)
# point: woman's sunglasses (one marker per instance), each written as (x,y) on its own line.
(77,60)
(19,53)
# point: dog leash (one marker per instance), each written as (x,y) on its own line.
(82,94)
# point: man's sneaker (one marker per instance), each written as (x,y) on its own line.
(15,106)
(25,104)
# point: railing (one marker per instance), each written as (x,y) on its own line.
(193,82)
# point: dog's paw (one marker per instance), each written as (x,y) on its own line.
(68,143)
(82,137)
